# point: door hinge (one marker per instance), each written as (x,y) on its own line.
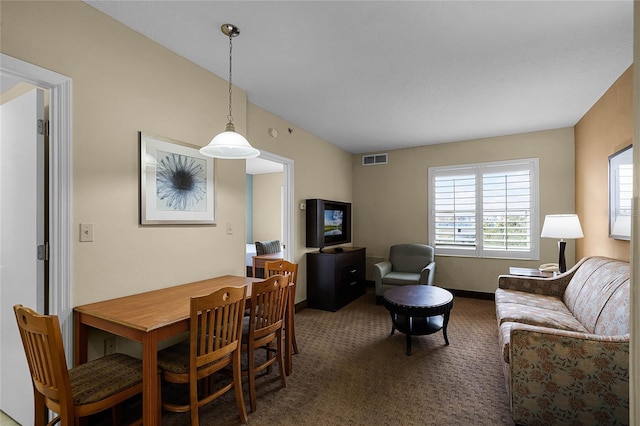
(43,127)
(43,252)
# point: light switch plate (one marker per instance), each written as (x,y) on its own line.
(86,232)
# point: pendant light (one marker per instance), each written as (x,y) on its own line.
(229,144)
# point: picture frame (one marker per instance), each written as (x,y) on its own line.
(176,183)
(621,193)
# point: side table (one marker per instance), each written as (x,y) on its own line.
(529,272)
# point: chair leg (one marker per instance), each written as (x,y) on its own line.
(280,355)
(193,402)
(40,409)
(252,379)
(116,414)
(237,384)
(293,337)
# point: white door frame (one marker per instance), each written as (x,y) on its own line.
(288,210)
(60,187)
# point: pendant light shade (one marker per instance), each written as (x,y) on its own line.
(229,144)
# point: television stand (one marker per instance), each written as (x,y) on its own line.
(335,277)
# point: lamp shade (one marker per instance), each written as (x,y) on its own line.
(229,145)
(561,226)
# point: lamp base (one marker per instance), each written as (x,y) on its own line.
(562,263)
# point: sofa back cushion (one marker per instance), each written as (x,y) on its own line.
(598,295)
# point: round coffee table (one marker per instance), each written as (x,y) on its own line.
(419,310)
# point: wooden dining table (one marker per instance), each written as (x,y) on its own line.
(152,317)
(260,259)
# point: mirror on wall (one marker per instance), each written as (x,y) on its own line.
(621,193)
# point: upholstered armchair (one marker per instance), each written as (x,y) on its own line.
(407,264)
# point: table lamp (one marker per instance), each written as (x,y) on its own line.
(561,226)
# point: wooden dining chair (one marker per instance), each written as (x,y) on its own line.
(284,267)
(215,333)
(264,327)
(77,392)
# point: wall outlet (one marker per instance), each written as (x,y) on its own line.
(109,345)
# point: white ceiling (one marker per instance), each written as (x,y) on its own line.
(379,75)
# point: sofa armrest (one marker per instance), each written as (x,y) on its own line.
(427,274)
(575,377)
(554,286)
(546,286)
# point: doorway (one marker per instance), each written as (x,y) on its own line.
(277,173)
(60,177)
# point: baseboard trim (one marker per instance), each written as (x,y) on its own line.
(300,306)
(472,294)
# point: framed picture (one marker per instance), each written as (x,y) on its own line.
(176,183)
(621,193)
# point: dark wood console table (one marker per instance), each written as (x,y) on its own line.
(335,277)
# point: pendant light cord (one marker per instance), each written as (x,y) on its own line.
(230,117)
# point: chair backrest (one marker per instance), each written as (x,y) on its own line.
(268,305)
(410,257)
(282,267)
(42,342)
(216,328)
(267,247)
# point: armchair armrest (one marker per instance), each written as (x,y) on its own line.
(380,270)
(557,374)
(427,274)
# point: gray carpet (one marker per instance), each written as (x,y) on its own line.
(350,371)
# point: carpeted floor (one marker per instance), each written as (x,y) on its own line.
(350,371)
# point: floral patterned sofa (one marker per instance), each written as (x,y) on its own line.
(565,344)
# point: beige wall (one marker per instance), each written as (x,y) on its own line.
(605,128)
(390,201)
(321,170)
(124,83)
(267,188)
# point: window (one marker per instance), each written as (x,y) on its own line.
(485,209)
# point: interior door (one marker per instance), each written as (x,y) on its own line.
(21,232)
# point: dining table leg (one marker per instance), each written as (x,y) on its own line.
(81,337)
(151,402)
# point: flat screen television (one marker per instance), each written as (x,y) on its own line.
(328,223)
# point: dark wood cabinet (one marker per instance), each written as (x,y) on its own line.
(335,278)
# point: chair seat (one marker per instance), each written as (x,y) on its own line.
(175,358)
(101,378)
(400,278)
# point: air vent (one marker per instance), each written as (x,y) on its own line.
(374,160)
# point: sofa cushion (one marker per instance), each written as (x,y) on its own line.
(535,315)
(614,318)
(401,278)
(593,285)
(554,303)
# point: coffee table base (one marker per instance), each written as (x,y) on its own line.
(419,326)
(419,310)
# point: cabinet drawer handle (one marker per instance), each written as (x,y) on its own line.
(353,271)
(353,283)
